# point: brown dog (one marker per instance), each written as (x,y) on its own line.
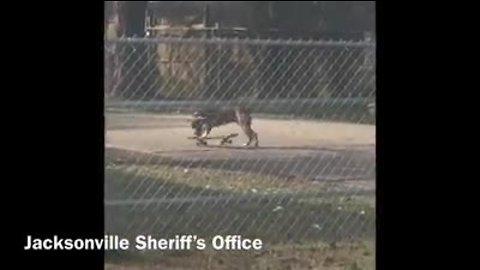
(206,120)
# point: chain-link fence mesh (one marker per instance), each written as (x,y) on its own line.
(312,178)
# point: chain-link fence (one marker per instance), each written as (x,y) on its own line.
(312,178)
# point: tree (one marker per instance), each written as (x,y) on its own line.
(131,17)
(138,74)
(304,20)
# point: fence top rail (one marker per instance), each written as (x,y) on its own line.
(243,41)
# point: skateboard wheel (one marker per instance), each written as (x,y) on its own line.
(225,142)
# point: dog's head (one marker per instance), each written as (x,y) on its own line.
(200,123)
(196,124)
(198,114)
(199,126)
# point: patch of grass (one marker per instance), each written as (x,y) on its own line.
(149,179)
(175,204)
(350,110)
(129,120)
(302,225)
(216,179)
(346,255)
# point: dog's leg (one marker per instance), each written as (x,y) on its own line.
(206,128)
(251,134)
(244,120)
(203,132)
(255,136)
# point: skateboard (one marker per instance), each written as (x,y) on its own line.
(227,139)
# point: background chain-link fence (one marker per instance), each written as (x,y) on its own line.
(311,180)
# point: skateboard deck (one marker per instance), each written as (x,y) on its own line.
(227,139)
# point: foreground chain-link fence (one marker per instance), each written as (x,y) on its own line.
(312,179)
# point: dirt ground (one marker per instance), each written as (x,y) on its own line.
(168,133)
(311,149)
